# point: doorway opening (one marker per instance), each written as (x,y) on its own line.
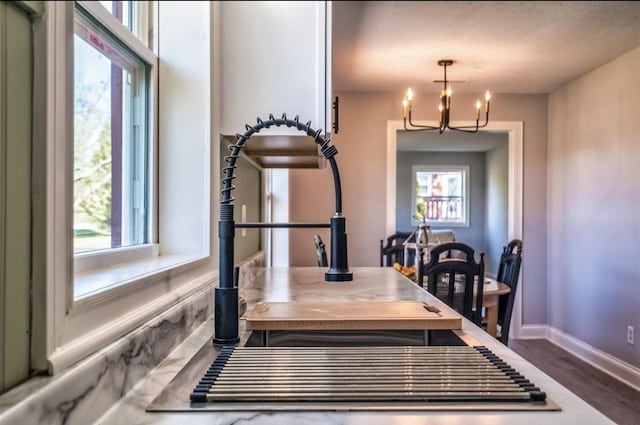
(514,133)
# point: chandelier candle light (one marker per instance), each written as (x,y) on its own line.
(444,109)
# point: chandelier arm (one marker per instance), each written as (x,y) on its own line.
(466,126)
(411,124)
(420,129)
(478,125)
(486,121)
(414,127)
(463,130)
(423,126)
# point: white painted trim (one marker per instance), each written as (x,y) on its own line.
(280,183)
(43,66)
(99,286)
(122,32)
(515,203)
(612,366)
(267,207)
(71,329)
(320,53)
(34,8)
(328,73)
(392,143)
(533,332)
(92,260)
(514,130)
(77,349)
(215,114)
(59,169)
(142,19)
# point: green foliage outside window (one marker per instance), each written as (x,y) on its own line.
(92,143)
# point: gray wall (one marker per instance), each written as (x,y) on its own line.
(473,234)
(361,159)
(594,207)
(497,207)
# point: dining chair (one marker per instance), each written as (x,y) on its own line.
(456,281)
(509,273)
(321,253)
(392,250)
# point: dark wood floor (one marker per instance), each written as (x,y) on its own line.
(618,401)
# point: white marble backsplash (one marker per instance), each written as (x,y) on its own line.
(252,272)
(82,394)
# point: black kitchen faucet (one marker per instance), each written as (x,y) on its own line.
(226,294)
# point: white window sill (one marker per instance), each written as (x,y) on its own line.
(105,281)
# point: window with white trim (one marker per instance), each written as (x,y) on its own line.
(111,163)
(440,195)
(152,135)
(113,117)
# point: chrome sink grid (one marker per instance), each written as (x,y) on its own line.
(365,378)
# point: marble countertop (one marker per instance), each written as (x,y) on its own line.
(307,284)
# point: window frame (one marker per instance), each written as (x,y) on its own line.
(466,204)
(88,260)
(89,267)
(65,330)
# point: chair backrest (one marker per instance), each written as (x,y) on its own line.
(392,254)
(508,272)
(321,253)
(456,280)
(392,250)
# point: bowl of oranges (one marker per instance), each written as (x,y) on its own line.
(409,272)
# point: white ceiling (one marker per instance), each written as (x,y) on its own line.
(507,47)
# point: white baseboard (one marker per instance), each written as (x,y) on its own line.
(616,368)
(534,332)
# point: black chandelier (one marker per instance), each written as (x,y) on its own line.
(444,109)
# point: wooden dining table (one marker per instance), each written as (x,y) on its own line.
(491,293)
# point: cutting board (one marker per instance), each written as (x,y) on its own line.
(349,315)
